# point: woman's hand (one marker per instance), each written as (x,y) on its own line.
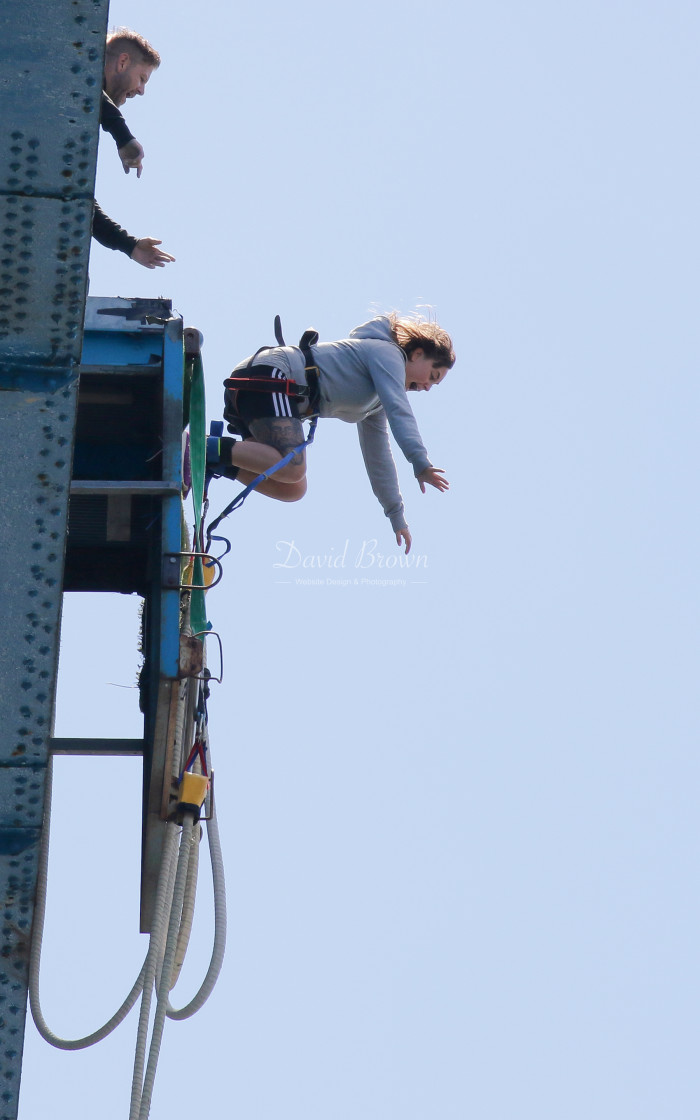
(432,476)
(404,535)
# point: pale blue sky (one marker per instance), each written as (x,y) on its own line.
(462,850)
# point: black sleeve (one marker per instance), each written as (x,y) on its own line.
(111,235)
(113,122)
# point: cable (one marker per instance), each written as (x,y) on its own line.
(144,1098)
(187,917)
(219,947)
(152,967)
(37,943)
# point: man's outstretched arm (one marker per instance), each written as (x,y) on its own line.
(143,250)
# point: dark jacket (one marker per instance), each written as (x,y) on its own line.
(110,234)
(113,122)
(104,229)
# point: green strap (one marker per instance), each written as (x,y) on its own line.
(198,452)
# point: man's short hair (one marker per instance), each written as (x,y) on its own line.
(123,39)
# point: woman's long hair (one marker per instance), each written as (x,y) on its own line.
(414,333)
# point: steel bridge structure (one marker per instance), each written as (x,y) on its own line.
(92,408)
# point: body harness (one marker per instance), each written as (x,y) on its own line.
(246,382)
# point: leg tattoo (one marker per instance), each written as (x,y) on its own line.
(282,433)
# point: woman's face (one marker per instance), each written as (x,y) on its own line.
(423,372)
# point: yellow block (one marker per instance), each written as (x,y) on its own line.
(193,789)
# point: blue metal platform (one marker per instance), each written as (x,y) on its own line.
(126,519)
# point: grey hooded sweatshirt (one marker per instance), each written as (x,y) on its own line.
(362,380)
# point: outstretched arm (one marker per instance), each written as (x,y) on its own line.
(143,250)
(387,369)
(380,466)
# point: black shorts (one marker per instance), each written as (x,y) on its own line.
(243,405)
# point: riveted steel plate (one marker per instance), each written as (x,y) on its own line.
(50,82)
(50,85)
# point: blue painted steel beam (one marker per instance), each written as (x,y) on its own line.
(50,81)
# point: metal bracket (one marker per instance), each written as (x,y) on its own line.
(170,559)
(206,675)
(209,799)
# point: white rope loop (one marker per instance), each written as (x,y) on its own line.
(161,915)
(37,944)
(219,947)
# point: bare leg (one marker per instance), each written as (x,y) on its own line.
(282,491)
(273,438)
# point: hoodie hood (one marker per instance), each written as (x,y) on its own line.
(379,328)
